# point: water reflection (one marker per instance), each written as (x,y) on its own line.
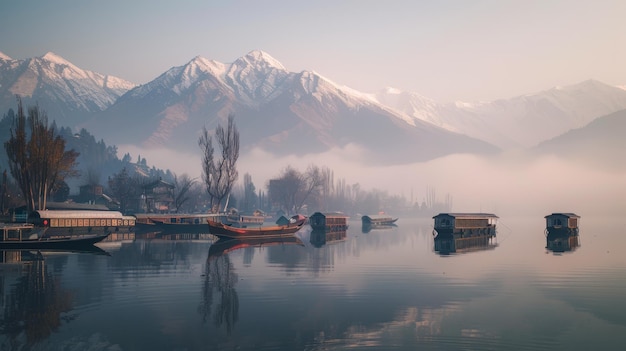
(446,244)
(319,238)
(560,243)
(34,306)
(366,227)
(221,278)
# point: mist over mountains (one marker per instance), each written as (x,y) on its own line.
(292,115)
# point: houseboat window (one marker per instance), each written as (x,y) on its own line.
(74,222)
(80,222)
(54,222)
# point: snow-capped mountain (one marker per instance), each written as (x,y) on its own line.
(287,112)
(522,121)
(280,111)
(67,93)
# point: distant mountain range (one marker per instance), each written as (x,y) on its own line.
(296,113)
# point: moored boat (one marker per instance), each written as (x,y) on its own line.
(173,223)
(329,221)
(27,236)
(225,231)
(465,224)
(81,222)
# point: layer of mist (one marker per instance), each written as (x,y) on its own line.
(507,184)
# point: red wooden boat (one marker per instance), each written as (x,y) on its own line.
(225,231)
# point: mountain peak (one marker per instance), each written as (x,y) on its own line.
(54,58)
(3,56)
(262,58)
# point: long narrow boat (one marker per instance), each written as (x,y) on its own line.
(225,231)
(28,237)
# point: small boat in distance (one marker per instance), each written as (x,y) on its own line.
(378,220)
(230,232)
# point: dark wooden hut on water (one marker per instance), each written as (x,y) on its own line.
(562,223)
(465,224)
(330,221)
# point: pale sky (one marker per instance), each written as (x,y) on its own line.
(443,49)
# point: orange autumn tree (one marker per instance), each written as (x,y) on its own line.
(38,160)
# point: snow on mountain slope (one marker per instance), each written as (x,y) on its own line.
(67,93)
(280,111)
(522,121)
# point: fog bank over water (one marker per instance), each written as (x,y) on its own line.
(506,184)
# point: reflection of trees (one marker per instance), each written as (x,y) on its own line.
(220,277)
(33,308)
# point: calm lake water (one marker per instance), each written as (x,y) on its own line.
(381,290)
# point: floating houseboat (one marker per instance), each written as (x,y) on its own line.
(462,232)
(465,224)
(562,224)
(81,222)
(330,221)
(173,223)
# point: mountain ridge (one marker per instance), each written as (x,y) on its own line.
(294,112)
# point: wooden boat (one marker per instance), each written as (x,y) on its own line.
(224,246)
(29,237)
(225,231)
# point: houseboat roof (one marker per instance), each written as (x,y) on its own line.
(78,214)
(468,215)
(330,214)
(566,214)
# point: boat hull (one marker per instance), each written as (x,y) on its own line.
(73,242)
(228,232)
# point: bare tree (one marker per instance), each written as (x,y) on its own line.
(37,158)
(182,185)
(220,175)
(293,189)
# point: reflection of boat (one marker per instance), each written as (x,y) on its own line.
(562,224)
(224,246)
(225,231)
(19,236)
(320,238)
(446,244)
(465,224)
(330,221)
(27,255)
(562,242)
